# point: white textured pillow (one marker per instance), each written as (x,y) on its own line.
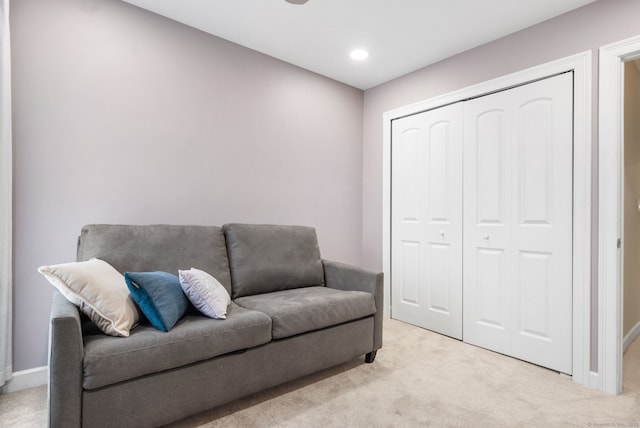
(205,293)
(98,290)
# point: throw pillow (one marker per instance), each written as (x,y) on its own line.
(205,293)
(159,297)
(98,290)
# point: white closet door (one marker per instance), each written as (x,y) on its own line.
(518,222)
(426,253)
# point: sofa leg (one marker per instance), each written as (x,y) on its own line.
(370,357)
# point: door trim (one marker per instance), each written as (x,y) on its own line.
(610,147)
(581,65)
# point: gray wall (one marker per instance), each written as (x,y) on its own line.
(122,116)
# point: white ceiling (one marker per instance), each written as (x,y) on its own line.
(400,35)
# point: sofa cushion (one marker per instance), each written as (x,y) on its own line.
(306,309)
(108,360)
(157,247)
(205,293)
(159,296)
(98,290)
(268,258)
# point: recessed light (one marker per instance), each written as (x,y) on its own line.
(359,54)
(296,1)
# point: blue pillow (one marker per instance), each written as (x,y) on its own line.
(159,297)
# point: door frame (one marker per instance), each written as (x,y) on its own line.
(581,65)
(610,220)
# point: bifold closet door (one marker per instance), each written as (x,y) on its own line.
(518,222)
(426,220)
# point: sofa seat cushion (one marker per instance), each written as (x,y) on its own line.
(108,360)
(306,309)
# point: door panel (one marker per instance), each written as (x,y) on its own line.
(518,203)
(535,161)
(488,182)
(408,178)
(490,295)
(535,288)
(427,218)
(410,273)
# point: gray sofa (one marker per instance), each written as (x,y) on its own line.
(292,314)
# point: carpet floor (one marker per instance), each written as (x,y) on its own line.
(418,379)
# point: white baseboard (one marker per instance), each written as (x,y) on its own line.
(594,381)
(631,336)
(25,379)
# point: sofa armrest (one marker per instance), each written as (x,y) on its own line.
(65,364)
(347,277)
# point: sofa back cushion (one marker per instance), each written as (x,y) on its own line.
(267,258)
(160,247)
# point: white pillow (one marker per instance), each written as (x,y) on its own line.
(205,293)
(99,291)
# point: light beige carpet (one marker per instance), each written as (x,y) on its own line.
(418,379)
